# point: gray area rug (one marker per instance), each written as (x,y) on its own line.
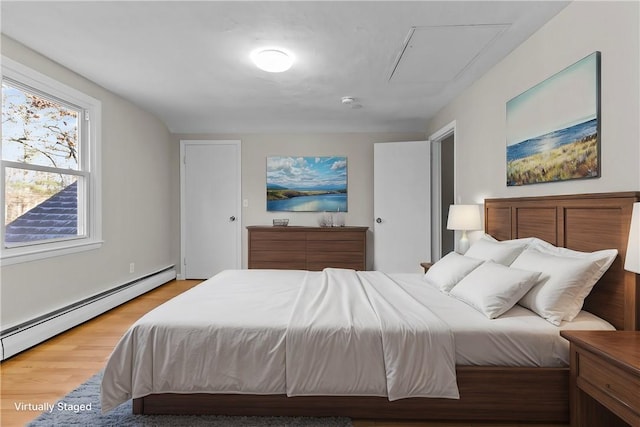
(68,412)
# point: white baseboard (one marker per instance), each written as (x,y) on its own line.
(31,333)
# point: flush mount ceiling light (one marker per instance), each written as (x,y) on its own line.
(273,60)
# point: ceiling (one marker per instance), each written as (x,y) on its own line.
(188,62)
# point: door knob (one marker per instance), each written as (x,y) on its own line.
(379,220)
(232,218)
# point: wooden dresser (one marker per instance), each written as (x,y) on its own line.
(307,248)
(605,378)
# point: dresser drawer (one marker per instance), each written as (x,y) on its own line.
(319,266)
(335,235)
(278,256)
(271,241)
(609,380)
(331,258)
(335,245)
(279,245)
(275,235)
(278,260)
(279,265)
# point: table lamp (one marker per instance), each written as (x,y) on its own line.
(464,218)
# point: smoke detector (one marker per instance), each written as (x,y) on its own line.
(350,101)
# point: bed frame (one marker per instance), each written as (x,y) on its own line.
(585,222)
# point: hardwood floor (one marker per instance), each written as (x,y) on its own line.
(47,372)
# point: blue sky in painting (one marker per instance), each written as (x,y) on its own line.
(561,101)
(307,173)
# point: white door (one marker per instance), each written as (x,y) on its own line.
(402,206)
(210,207)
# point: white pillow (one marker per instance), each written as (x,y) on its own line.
(601,260)
(449,270)
(567,278)
(489,249)
(493,288)
(527,241)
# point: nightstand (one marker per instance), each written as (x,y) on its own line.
(605,378)
(426,266)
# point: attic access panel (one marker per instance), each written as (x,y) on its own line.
(440,54)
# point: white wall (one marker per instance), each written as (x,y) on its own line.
(135,198)
(357,147)
(578,30)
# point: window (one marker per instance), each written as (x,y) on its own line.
(50,181)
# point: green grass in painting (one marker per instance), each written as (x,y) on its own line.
(571,161)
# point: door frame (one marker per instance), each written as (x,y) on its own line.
(183,207)
(436,184)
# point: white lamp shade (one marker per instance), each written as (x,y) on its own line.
(632,260)
(464,217)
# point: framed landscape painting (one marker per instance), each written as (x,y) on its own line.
(307,184)
(553,129)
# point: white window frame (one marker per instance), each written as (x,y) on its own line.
(90,146)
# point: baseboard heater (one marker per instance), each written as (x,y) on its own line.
(26,335)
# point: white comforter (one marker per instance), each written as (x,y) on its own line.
(359,333)
(335,332)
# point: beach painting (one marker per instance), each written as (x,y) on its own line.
(553,129)
(307,184)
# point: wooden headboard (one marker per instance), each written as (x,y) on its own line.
(583,222)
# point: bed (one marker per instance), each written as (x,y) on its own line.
(502,390)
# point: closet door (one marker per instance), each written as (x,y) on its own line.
(210,208)
(402,206)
